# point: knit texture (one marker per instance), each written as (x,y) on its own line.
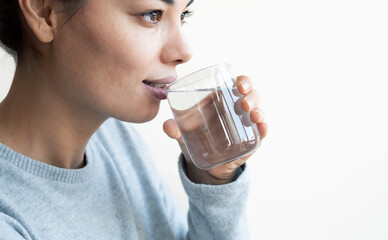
(117,195)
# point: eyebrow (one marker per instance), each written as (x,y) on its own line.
(171,2)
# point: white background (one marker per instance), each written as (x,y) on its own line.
(321,69)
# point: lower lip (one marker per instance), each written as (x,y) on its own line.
(158,93)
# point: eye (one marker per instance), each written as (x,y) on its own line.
(152,16)
(186,14)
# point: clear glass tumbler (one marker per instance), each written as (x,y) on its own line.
(207,108)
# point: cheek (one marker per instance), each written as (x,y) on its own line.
(103,61)
(112,48)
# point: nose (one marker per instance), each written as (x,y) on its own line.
(176,49)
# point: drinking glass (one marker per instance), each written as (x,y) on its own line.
(207,108)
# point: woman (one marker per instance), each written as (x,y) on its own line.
(70,168)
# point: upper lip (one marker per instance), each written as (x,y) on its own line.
(166,80)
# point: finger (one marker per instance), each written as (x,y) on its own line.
(257,115)
(250,101)
(263,129)
(244,84)
(170,127)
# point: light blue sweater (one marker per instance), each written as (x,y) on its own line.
(117,195)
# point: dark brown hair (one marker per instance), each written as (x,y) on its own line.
(11,38)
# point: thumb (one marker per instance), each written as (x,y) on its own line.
(170,127)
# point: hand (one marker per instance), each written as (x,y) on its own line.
(224,173)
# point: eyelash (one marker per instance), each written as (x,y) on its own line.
(159,14)
(186,14)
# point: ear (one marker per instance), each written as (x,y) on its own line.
(40,18)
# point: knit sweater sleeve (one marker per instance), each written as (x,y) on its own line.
(11,229)
(217,212)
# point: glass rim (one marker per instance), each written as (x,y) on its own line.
(227,65)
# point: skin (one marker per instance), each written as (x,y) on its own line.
(71,77)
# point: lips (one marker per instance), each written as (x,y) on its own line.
(157,87)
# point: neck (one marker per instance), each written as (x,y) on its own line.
(39,122)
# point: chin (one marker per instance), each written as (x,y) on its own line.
(140,117)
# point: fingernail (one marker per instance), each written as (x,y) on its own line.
(245,86)
(256,117)
(250,103)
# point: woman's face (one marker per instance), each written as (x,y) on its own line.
(101,57)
